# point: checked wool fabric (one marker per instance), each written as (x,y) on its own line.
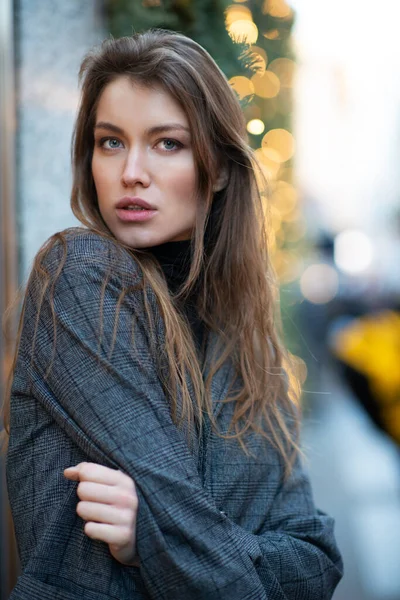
(213,523)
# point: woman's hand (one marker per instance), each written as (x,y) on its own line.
(109,504)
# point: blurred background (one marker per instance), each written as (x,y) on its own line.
(320,89)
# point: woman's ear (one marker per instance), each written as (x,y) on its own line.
(222,180)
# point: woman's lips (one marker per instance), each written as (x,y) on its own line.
(134,216)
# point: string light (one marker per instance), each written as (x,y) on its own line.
(280,140)
(268,166)
(255,126)
(242,86)
(243,31)
(272,83)
(266,85)
(237,13)
(284,69)
(272,34)
(277,8)
(287,264)
(284,197)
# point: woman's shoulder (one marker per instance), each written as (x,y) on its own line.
(78,248)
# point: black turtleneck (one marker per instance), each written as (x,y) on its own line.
(175,260)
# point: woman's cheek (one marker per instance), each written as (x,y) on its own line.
(104,176)
(183,176)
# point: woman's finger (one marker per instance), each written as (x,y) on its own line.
(107,494)
(98,473)
(103,513)
(72,473)
(109,533)
(93,472)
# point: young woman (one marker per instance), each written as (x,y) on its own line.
(153,450)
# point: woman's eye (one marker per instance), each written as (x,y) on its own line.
(110,143)
(169,144)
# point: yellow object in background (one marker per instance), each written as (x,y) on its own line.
(371,346)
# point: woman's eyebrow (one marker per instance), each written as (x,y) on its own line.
(109,126)
(167,127)
(152,130)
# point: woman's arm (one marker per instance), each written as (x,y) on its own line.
(114,401)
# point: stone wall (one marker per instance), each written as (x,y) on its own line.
(51,40)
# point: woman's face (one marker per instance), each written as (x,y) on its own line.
(143,157)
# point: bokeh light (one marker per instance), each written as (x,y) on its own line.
(319,283)
(266,85)
(243,31)
(272,34)
(287,264)
(296,230)
(242,86)
(281,141)
(300,367)
(277,8)
(285,69)
(255,126)
(268,166)
(284,197)
(275,218)
(287,174)
(353,251)
(237,13)
(292,216)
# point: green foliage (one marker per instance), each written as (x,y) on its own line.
(204,21)
(201,20)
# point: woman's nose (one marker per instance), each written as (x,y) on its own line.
(135,171)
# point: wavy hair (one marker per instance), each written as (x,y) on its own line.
(231,274)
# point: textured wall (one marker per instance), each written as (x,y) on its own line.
(51,39)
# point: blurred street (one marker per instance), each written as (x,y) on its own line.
(355,472)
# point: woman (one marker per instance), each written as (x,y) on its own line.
(149,371)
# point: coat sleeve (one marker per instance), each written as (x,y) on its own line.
(104,385)
(299,557)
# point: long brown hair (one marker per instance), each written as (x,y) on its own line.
(230,269)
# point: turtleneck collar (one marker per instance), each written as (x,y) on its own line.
(174,259)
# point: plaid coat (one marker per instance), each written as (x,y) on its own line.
(212,523)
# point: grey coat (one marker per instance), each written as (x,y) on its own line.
(212,523)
